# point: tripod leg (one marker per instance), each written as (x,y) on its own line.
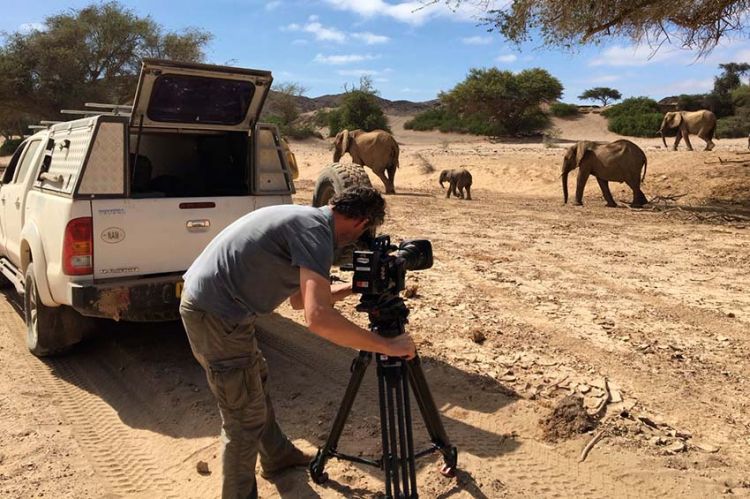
(431,416)
(406,454)
(409,433)
(385,441)
(317,466)
(389,369)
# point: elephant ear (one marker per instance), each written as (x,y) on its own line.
(581,149)
(677,119)
(345,141)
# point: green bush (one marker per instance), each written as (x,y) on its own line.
(637,125)
(562,110)
(633,105)
(732,127)
(634,117)
(9,146)
(446,121)
(427,120)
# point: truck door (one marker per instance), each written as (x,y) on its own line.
(13,197)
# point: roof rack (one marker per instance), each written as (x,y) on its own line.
(100,109)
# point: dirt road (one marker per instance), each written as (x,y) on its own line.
(528,301)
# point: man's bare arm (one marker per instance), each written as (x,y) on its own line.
(338,293)
(323,320)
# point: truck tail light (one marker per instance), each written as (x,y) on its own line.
(78,247)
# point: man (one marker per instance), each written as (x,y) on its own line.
(251,267)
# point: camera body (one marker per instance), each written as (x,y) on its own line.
(382,268)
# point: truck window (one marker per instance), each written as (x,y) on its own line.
(28,160)
(11,168)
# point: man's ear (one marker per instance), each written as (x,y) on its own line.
(361,223)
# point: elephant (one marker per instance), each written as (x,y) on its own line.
(618,161)
(459,179)
(701,123)
(377,150)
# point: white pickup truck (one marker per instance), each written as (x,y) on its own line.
(100,216)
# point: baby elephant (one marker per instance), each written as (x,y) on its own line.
(459,179)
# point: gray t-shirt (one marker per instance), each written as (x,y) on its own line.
(252,266)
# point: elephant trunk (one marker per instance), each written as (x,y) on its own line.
(564,177)
(661,131)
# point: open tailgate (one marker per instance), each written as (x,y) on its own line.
(198,96)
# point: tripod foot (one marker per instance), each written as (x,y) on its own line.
(316,468)
(447,471)
(450,459)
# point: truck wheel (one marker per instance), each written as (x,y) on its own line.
(333,180)
(49,330)
(336,178)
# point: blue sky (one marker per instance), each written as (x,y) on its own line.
(410,54)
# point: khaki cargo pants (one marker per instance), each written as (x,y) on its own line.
(237,373)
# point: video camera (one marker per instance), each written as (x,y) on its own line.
(381,269)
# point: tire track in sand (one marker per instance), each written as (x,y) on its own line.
(112,448)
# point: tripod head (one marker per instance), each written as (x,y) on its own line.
(380,275)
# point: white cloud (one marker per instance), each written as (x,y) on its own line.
(477,40)
(330,34)
(342,59)
(641,55)
(418,12)
(272,5)
(27,28)
(370,38)
(325,34)
(320,32)
(506,58)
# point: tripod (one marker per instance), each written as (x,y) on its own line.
(387,314)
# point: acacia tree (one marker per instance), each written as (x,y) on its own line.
(602,94)
(698,25)
(91,54)
(508,102)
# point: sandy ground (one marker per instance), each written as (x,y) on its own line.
(642,313)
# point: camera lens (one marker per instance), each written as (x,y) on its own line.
(417,254)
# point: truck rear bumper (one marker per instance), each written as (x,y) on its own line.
(142,300)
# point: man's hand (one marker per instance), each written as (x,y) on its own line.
(400,346)
(323,320)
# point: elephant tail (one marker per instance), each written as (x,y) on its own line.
(645,166)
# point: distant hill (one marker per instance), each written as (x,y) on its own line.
(397,107)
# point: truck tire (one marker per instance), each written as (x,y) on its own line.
(337,178)
(333,180)
(49,330)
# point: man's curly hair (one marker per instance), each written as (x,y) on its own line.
(359,201)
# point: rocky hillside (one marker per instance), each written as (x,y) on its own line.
(397,107)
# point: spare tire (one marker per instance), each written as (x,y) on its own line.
(337,178)
(333,180)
